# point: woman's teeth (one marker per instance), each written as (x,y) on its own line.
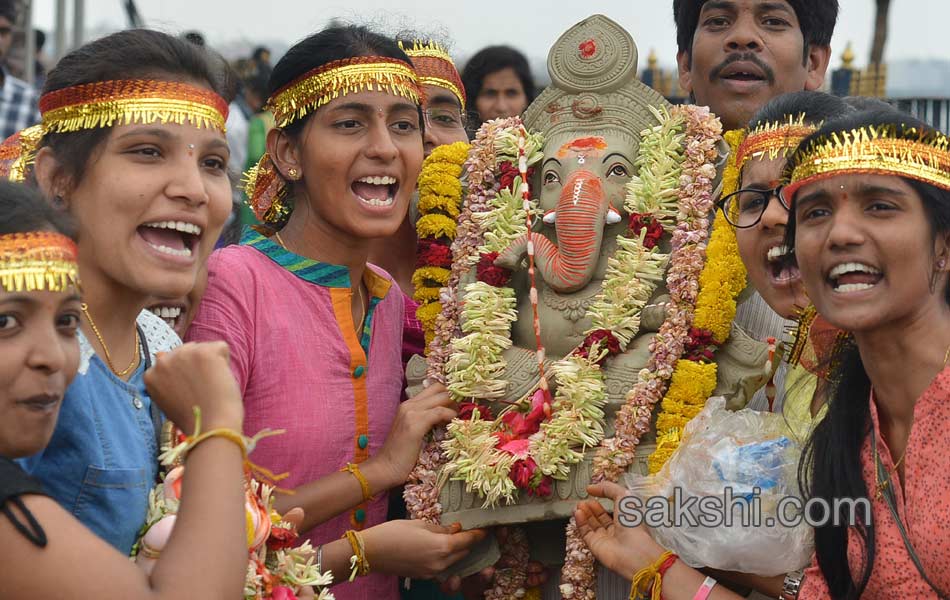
(853,287)
(186,252)
(383,180)
(169,314)
(176,226)
(859,276)
(776,253)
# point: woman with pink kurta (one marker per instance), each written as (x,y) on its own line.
(315,332)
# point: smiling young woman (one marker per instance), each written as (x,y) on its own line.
(315,332)
(44,550)
(870,222)
(132,146)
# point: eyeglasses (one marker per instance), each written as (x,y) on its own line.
(446,118)
(745,208)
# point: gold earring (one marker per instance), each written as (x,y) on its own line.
(293,173)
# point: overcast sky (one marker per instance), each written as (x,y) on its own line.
(918,28)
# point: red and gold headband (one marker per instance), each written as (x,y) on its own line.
(264,186)
(435,67)
(38,261)
(127,101)
(886,149)
(778,138)
(111,103)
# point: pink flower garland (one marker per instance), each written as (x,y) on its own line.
(616,454)
(422,490)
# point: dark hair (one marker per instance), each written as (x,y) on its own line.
(491,60)
(817,107)
(8,10)
(865,103)
(333,43)
(131,54)
(831,467)
(22,209)
(816,18)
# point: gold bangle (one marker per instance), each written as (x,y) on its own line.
(359,565)
(364,484)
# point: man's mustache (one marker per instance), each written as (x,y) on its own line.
(743,57)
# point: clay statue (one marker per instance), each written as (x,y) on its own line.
(591,118)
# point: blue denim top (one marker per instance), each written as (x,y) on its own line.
(103,457)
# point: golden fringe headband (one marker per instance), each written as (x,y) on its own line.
(123,102)
(38,261)
(877,150)
(774,139)
(319,86)
(264,186)
(435,67)
(110,103)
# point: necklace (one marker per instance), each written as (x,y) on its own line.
(277,235)
(105,349)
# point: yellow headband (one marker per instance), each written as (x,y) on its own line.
(38,261)
(886,149)
(264,186)
(777,138)
(435,67)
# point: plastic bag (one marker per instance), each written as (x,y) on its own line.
(716,502)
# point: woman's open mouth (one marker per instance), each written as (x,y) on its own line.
(173,238)
(377,191)
(853,277)
(781,265)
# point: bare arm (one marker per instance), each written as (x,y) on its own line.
(205,556)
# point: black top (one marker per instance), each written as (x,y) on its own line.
(14,482)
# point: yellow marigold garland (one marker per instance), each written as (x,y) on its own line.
(440,201)
(722,279)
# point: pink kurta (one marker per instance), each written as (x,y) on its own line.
(923,505)
(301,367)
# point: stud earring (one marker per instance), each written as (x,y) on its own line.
(942,263)
(293,173)
(58,201)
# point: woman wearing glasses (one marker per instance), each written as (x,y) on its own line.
(445,121)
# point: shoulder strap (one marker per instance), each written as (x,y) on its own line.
(888,491)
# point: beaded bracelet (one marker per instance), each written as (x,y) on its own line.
(364,484)
(359,565)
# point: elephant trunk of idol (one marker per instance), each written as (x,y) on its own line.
(579,217)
